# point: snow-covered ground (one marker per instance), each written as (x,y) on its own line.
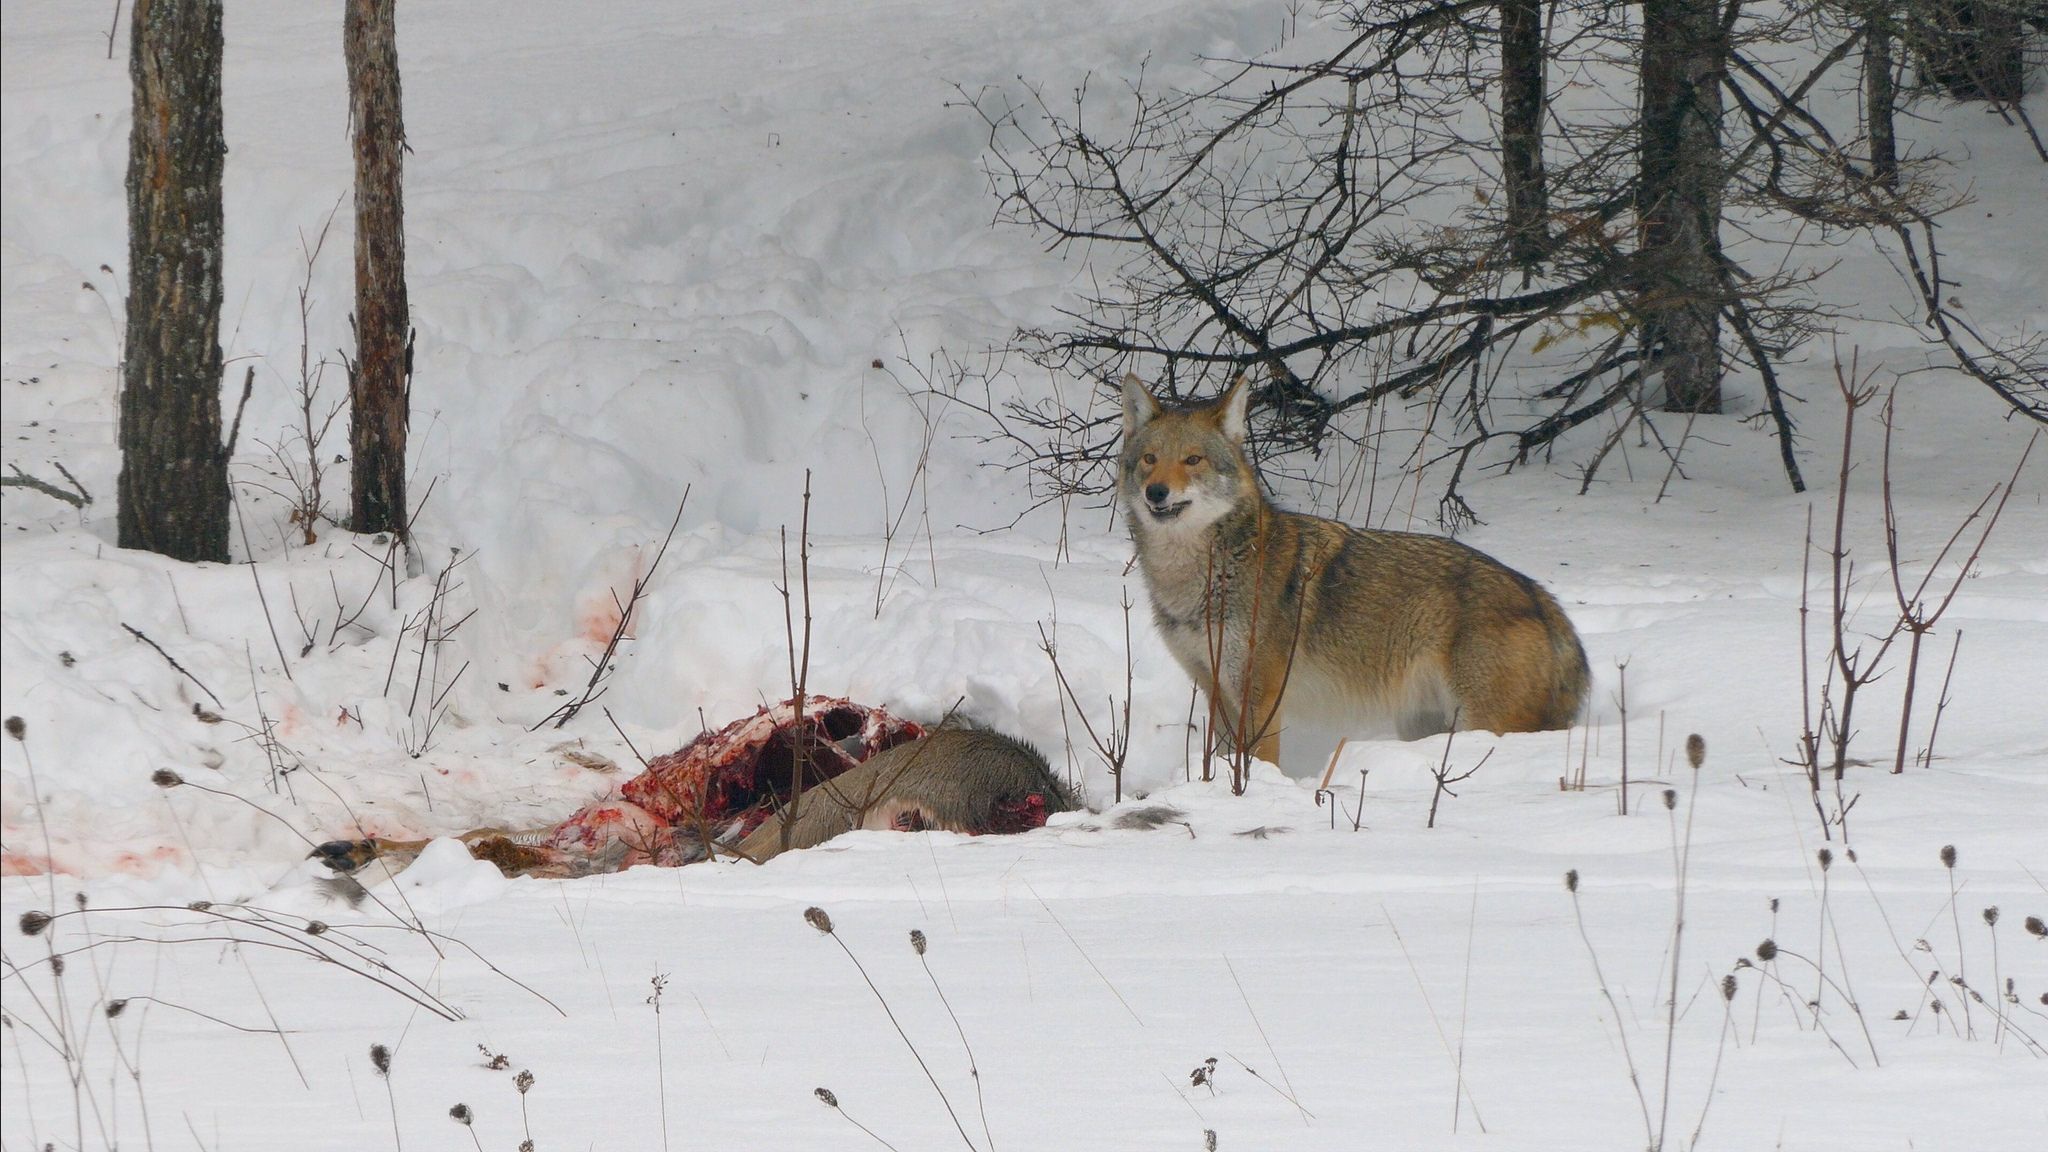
(656,246)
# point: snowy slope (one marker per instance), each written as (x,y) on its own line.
(657,246)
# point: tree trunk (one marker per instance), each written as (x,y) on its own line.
(380,377)
(173,488)
(1678,200)
(1973,49)
(1521,128)
(1880,95)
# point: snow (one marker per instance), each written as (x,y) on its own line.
(666,248)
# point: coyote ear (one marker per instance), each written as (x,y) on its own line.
(1139,406)
(1230,411)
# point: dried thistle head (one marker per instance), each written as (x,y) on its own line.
(1850,853)
(17,728)
(1774,905)
(825,1095)
(57,965)
(523,1081)
(1991,916)
(1670,799)
(1728,986)
(1827,859)
(1208,1140)
(34,921)
(1571,880)
(380,1059)
(315,927)
(165,778)
(816,918)
(1948,856)
(1695,750)
(1767,951)
(917,942)
(2036,927)
(199,905)
(115,1008)
(79,899)
(526,1145)
(462,1115)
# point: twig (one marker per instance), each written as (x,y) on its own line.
(918,943)
(823,923)
(20,479)
(799,664)
(180,669)
(594,687)
(1571,885)
(249,554)
(1423,989)
(1267,1041)
(1941,701)
(227,451)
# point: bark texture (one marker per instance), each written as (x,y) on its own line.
(1678,200)
(380,376)
(173,487)
(1881,95)
(1521,128)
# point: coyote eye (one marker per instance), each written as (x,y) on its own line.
(1192,461)
(1150,459)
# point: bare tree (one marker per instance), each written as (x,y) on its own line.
(380,375)
(1523,104)
(1974,49)
(1679,189)
(173,487)
(1342,226)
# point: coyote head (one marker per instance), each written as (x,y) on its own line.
(1183,470)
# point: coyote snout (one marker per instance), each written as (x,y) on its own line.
(1275,613)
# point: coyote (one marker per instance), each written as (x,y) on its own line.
(1275,613)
